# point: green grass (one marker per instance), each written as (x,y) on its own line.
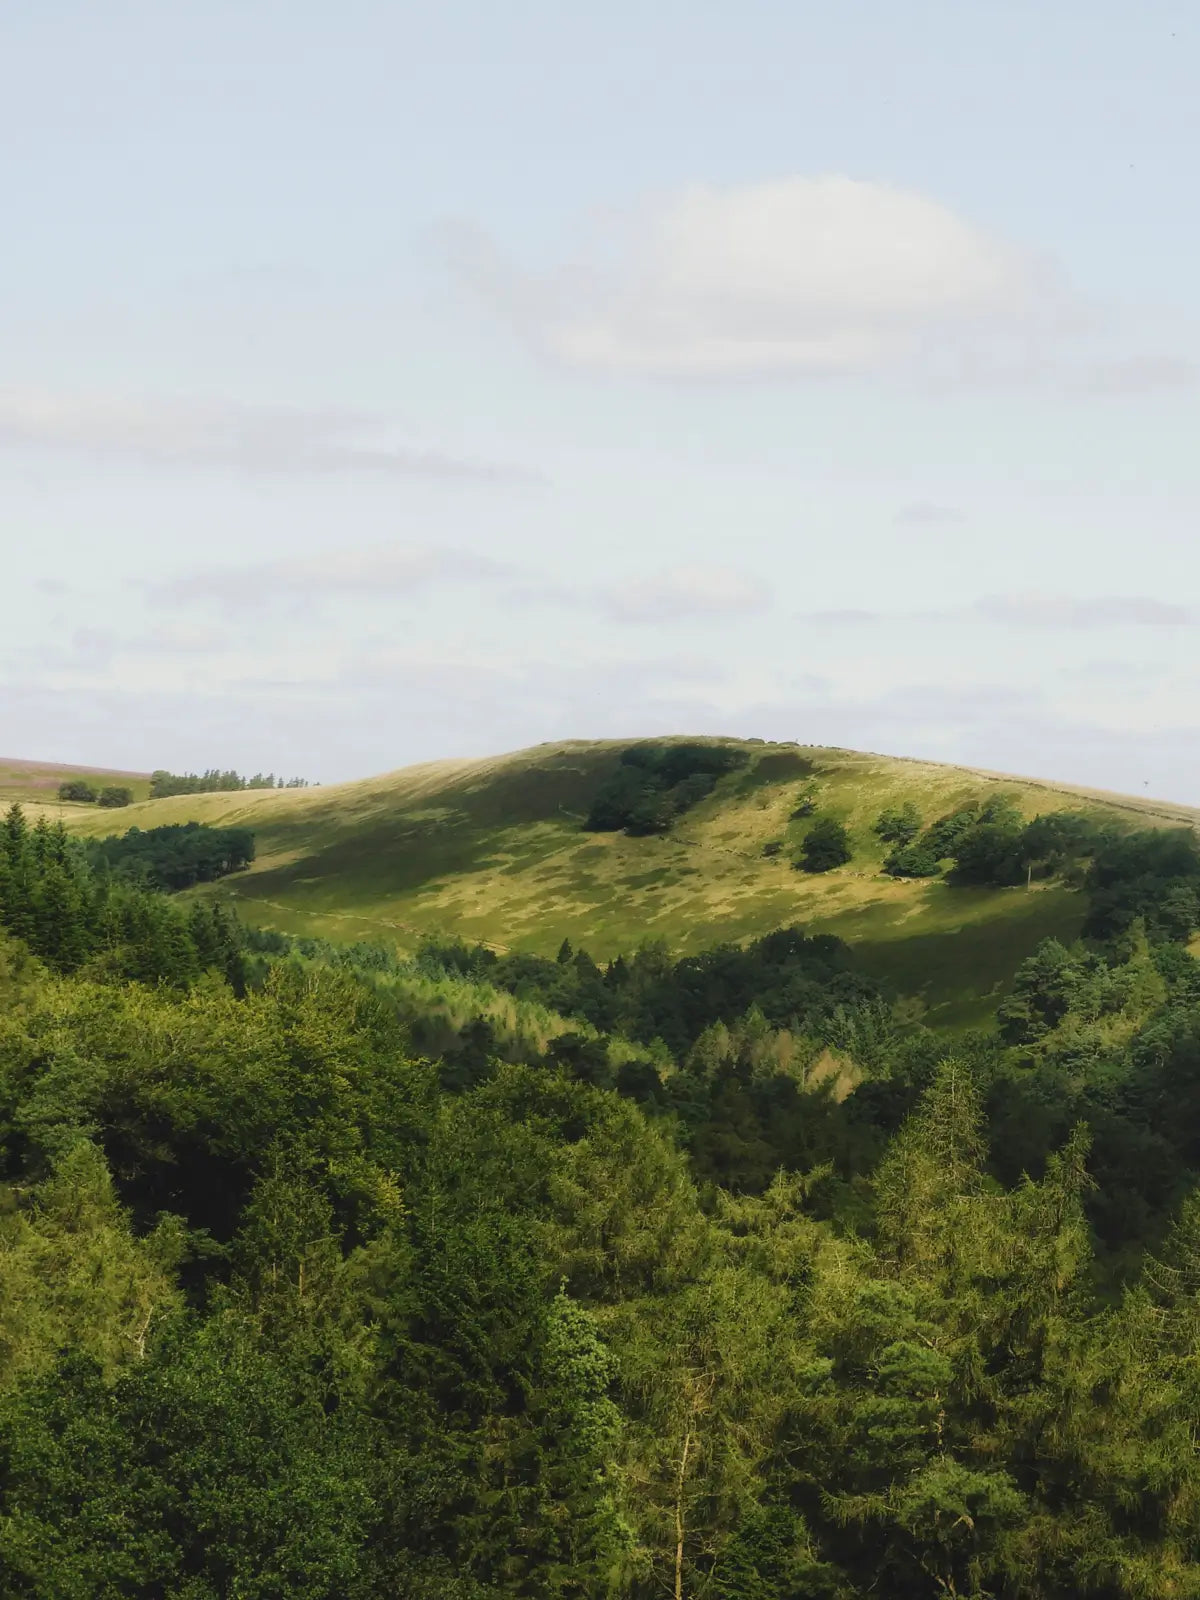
(37,782)
(494,850)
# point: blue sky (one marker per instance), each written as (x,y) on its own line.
(381,382)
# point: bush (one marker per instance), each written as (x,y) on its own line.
(116,795)
(915,860)
(77,789)
(899,825)
(826,846)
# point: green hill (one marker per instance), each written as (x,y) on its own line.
(495,850)
(38,781)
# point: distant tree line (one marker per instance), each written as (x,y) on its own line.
(163,784)
(175,856)
(110,795)
(655,783)
(793,980)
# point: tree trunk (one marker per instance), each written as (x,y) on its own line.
(679,1524)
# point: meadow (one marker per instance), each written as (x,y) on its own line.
(494,850)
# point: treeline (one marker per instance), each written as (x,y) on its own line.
(176,856)
(1152,874)
(213,781)
(790,979)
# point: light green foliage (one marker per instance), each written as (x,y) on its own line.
(72,1277)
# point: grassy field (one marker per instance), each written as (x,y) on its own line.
(494,850)
(38,781)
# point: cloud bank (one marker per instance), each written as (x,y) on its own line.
(683,592)
(1029,609)
(389,570)
(817,275)
(173,433)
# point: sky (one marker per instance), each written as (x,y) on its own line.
(383,382)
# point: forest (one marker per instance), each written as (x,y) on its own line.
(332,1273)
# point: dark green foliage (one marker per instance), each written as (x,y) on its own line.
(654,784)
(1152,875)
(72,915)
(826,845)
(77,789)
(899,824)
(114,796)
(213,781)
(915,860)
(946,834)
(792,980)
(176,856)
(287,1311)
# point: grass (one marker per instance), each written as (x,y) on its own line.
(37,782)
(494,850)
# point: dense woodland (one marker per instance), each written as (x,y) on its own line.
(175,856)
(331,1274)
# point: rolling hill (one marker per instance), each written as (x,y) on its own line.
(38,781)
(495,850)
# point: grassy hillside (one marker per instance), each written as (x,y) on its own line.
(494,849)
(38,781)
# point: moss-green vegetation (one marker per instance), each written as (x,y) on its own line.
(40,783)
(330,1274)
(496,851)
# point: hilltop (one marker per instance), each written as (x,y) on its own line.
(38,781)
(495,850)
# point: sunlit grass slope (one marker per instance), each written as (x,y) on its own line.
(494,850)
(38,781)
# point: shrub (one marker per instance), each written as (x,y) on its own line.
(914,860)
(77,789)
(826,846)
(899,825)
(116,795)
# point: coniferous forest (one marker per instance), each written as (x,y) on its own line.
(331,1273)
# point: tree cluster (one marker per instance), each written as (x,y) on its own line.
(175,856)
(214,781)
(111,795)
(655,783)
(78,917)
(1148,874)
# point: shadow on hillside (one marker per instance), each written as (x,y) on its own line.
(961,974)
(461,829)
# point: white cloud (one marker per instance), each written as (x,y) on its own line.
(175,433)
(393,569)
(1031,609)
(686,591)
(928,514)
(1040,610)
(798,274)
(1138,375)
